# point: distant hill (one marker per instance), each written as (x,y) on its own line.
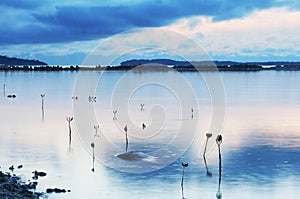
(170,62)
(17,64)
(4,60)
(136,62)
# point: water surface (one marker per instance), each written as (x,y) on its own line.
(260,149)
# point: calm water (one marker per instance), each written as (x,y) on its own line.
(261,133)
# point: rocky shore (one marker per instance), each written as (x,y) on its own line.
(13,186)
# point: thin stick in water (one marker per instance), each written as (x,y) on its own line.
(93,146)
(142,107)
(182,177)
(96,127)
(219,141)
(69,120)
(115,114)
(126,138)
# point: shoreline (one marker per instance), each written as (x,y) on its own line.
(13,186)
(158,68)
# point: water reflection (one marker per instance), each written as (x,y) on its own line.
(43,111)
(263,163)
(4,90)
(93,147)
(208,173)
(261,158)
(142,107)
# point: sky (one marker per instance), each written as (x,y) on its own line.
(66,32)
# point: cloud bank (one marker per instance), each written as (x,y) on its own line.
(63,32)
(33,21)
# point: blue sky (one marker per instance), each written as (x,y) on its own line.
(64,32)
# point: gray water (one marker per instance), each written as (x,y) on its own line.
(260,148)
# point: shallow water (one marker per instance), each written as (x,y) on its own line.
(260,149)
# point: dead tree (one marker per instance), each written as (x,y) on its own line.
(126,138)
(182,177)
(219,141)
(93,146)
(115,114)
(69,120)
(142,107)
(96,130)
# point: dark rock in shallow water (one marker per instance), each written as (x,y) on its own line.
(11,168)
(11,96)
(37,174)
(56,190)
(137,156)
(4,177)
(131,156)
(32,185)
(11,187)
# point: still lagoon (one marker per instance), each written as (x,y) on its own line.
(260,126)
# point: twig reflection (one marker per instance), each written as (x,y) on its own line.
(93,146)
(208,173)
(43,111)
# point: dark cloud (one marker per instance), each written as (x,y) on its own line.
(21,4)
(75,23)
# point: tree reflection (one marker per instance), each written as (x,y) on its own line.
(208,173)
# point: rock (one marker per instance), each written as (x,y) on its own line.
(11,96)
(11,168)
(56,190)
(37,174)
(32,185)
(3,177)
(131,156)
(12,187)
